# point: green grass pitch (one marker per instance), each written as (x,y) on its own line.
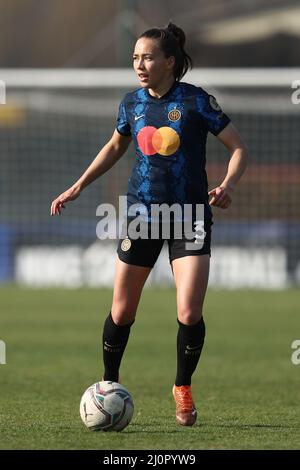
(246,388)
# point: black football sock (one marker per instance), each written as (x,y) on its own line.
(114,342)
(190,339)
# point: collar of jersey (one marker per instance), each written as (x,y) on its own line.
(163,97)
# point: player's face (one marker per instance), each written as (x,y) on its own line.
(150,63)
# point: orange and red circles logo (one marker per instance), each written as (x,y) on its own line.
(164,140)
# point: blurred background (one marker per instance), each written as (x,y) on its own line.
(66,64)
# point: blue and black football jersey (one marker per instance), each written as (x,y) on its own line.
(169,135)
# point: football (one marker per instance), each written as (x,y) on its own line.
(106,406)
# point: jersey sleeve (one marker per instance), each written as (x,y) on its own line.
(213,116)
(123,126)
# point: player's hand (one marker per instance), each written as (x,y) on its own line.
(221,197)
(59,203)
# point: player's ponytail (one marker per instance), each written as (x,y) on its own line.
(172,42)
(184,61)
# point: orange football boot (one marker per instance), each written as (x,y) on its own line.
(186,413)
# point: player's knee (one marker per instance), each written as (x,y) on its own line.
(189,315)
(122,314)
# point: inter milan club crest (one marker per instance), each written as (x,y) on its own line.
(174,115)
(126,244)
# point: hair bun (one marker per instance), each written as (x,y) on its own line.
(177,32)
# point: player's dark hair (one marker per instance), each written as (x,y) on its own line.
(171,41)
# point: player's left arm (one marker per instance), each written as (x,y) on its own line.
(222,195)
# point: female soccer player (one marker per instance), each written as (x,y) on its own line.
(168,122)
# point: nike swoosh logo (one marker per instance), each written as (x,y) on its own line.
(193,348)
(111,345)
(138,117)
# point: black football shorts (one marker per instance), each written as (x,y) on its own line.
(144,252)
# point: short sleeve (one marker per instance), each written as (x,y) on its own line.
(215,119)
(123,126)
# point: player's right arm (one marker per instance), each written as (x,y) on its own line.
(106,158)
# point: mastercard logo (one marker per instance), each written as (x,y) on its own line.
(164,140)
